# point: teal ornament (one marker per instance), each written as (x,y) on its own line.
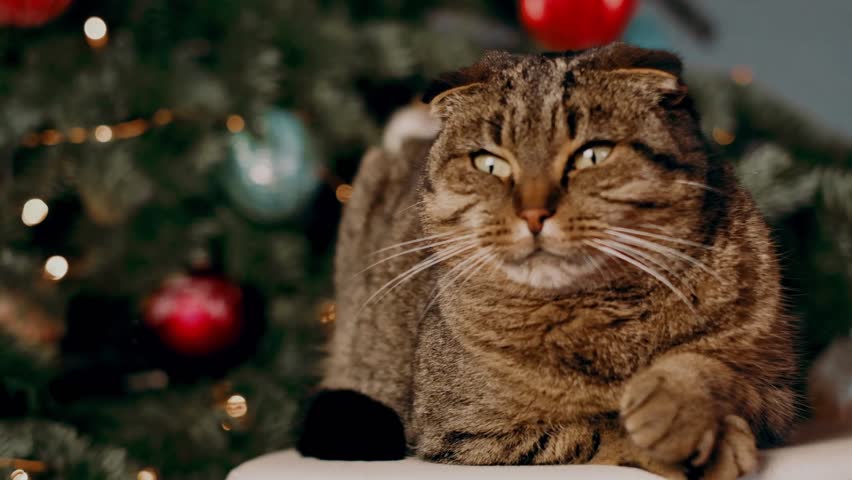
(272,176)
(646,31)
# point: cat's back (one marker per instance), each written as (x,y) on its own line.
(379,290)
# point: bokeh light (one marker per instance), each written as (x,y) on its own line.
(162,117)
(742,75)
(34,212)
(56,267)
(235,123)
(95,28)
(77,135)
(147,474)
(722,136)
(19,475)
(103,133)
(236,406)
(343,192)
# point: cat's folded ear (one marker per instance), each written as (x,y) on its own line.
(448,90)
(658,69)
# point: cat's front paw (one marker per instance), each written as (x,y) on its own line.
(347,425)
(735,453)
(678,423)
(672,421)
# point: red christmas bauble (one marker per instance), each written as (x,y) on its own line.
(576,24)
(30,13)
(196,315)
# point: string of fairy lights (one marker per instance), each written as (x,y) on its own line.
(35,210)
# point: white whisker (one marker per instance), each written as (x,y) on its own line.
(643,267)
(662,237)
(664,250)
(416,240)
(430,261)
(464,267)
(417,249)
(639,253)
(421,202)
(591,261)
(700,185)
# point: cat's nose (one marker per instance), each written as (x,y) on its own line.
(535,218)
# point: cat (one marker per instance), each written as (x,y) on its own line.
(562,274)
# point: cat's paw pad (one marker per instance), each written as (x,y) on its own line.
(666,419)
(347,425)
(734,455)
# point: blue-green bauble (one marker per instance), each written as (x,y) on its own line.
(272,176)
(645,31)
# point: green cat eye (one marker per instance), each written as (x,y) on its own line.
(493,165)
(591,156)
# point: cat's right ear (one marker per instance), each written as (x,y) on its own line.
(443,103)
(444,93)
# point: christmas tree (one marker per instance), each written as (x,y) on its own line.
(171,178)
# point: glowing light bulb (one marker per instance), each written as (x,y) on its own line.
(77,135)
(51,137)
(95,28)
(235,123)
(742,75)
(723,137)
(236,406)
(56,267)
(343,193)
(34,212)
(329,313)
(162,117)
(103,133)
(146,474)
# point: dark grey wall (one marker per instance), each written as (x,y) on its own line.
(801,49)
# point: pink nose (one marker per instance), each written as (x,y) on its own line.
(535,218)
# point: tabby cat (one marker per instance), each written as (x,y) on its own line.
(563,274)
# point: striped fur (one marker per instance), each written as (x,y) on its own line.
(507,348)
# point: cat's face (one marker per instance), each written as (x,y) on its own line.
(546,165)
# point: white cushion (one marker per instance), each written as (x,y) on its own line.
(830,459)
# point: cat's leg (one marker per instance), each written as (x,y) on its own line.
(694,410)
(519,445)
(365,396)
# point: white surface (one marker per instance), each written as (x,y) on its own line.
(824,460)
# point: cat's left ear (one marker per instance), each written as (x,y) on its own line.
(657,69)
(670,87)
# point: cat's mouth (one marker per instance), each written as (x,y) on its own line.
(541,255)
(542,268)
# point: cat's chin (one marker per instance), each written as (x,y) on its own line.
(547,271)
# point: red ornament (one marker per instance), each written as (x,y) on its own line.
(197,315)
(30,13)
(576,24)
